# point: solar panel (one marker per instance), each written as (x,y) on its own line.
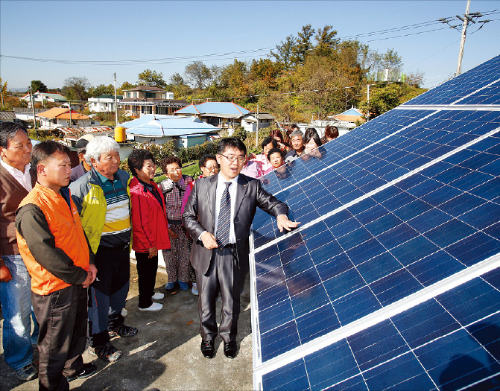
(392,279)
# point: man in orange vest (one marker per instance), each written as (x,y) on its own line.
(57,255)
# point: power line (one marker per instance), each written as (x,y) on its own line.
(217,56)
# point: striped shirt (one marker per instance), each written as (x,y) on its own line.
(173,192)
(116,231)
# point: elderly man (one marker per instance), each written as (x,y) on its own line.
(60,263)
(102,197)
(297,139)
(16,180)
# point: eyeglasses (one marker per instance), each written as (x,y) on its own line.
(213,168)
(174,170)
(241,159)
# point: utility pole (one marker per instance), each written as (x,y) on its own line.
(257,129)
(462,41)
(33,107)
(368,101)
(116,104)
(468,17)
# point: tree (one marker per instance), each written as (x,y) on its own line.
(302,45)
(283,54)
(37,85)
(176,80)
(125,86)
(151,78)
(3,93)
(326,41)
(75,88)
(198,74)
(102,89)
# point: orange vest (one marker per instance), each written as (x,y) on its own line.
(67,229)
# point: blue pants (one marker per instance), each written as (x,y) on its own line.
(15,296)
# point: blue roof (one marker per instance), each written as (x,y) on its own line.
(224,108)
(352,111)
(154,125)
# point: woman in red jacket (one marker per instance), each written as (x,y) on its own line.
(149,226)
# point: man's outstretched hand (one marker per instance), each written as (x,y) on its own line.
(284,223)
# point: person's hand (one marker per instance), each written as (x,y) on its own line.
(172,234)
(88,280)
(284,223)
(208,240)
(5,275)
(251,156)
(153,252)
(93,271)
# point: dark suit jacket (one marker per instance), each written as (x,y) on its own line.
(199,216)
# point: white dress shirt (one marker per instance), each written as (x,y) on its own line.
(221,185)
(24,178)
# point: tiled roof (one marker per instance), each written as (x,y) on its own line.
(62,113)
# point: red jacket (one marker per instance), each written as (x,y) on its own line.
(149,219)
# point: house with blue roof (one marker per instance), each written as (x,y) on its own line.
(159,129)
(220,114)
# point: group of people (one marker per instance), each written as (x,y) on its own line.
(278,149)
(65,246)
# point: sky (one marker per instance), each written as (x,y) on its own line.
(95,39)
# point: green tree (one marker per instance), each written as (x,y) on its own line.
(101,89)
(75,88)
(326,41)
(198,74)
(151,78)
(37,85)
(302,45)
(125,86)
(284,52)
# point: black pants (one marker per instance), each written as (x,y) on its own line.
(62,316)
(223,276)
(146,269)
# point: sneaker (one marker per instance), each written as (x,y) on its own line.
(157,296)
(88,370)
(27,373)
(105,352)
(194,289)
(152,307)
(123,331)
(183,285)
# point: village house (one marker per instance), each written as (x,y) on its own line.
(44,97)
(143,100)
(104,103)
(158,129)
(59,117)
(226,115)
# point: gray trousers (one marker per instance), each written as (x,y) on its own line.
(223,276)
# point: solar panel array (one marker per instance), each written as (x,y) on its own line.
(392,279)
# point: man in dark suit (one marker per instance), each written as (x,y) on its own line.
(218,216)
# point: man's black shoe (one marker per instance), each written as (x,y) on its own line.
(88,370)
(230,349)
(208,349)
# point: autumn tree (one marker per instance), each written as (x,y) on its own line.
(3,93)
(302,45)
(283,53)
(151,78)
(75,88)
(326,41)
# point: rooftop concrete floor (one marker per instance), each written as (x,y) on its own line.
(165,354)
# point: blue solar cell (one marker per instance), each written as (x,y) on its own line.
(279,340)
(355,305)
(395,286)
(331,365)
(378,267)
(449,233)
(435,267)
(316,323)
(278,314)
(291,376)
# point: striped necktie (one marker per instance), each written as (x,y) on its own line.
(224,221)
